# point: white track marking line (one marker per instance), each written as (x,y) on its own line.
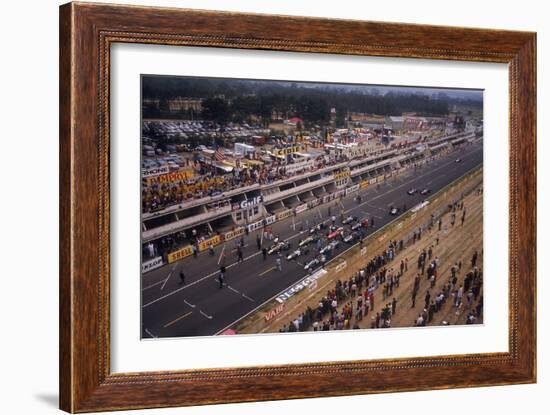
(177,319)
(189,304)
(266,271)
(247,297)
(205,315)
(221,254)
(150,334)
(233,289)
(152,285)
(166,280)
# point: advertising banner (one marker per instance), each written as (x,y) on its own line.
(215,240)
(151,264)
(352,189)
(180,254)
(233,234)
(176,176)
(155,171)
(341,175)
(274,312)
(270,219)
(301,285)
(283,215)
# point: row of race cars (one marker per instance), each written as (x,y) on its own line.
(327,239)
(334,236)
(351,230)
(394,210)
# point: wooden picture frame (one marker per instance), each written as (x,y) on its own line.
(86,33)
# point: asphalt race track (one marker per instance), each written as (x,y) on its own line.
(199,307)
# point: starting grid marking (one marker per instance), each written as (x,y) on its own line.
(266,271)
(240,293)
(150,334)
(177,319)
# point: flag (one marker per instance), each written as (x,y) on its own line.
(218,154)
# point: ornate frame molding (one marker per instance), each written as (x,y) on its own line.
(86,33)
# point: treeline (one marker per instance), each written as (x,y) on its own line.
(238,100)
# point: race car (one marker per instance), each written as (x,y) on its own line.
(356,226)
(458,160)
(318,260)
(315,261)
(329,247)
(352,237)
(279,246)
(307,240)
(349,219)
(297,253)
(425,191)
(394,211)
(412,191)
(335,234)
(317,228)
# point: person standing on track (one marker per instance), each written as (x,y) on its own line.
(182,277)
(239,254)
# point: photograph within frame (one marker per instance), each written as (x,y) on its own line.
(341,193)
